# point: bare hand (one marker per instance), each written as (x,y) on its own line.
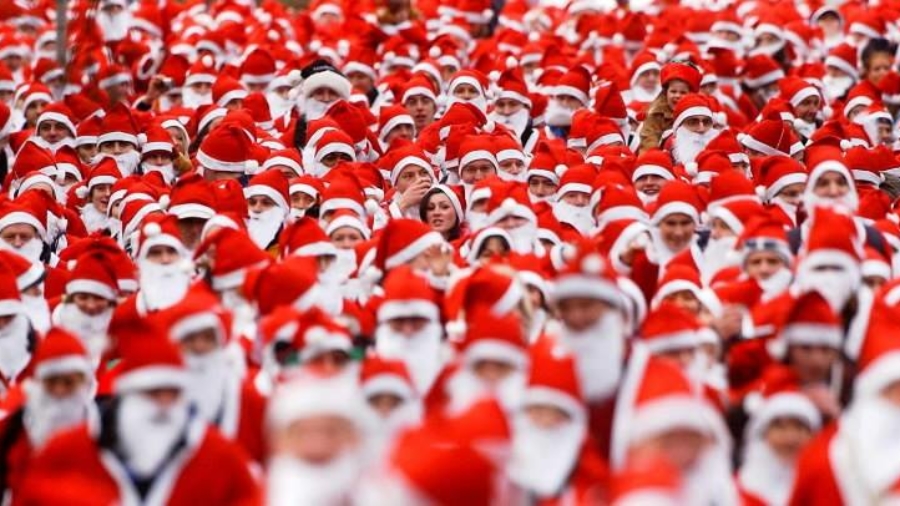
(439,259)
(413,195)
(824,399)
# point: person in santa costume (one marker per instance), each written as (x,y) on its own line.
(17,336)
(267,203)
(390,393)
(59,395)
(318,432)
(692,128)
(677,80)
(164,266)
(147,446)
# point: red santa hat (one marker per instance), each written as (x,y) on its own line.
(305,238)
(158,139)
(616,202)
(795,90)
(418,86)
(402,240)
(94,273)
(198,310)
(771,137)
(761,70)
(119,125)
(258,67)
(669,327)
(512,85)
(676,197)
(844,58)
(493,337)
(289,158)
(834,238)
(227,148)
(576,82)
(271,184)
(347,218)
(383,376)
(810,321)
(587,274)
(113,75)
(407,295)
(553,380)
(226,89)
(60,352)
(234,255)
(737,213)
(149,360)
(10,298)
(59,113)
(192,197)
(289,283)
(879,355)
(653,162)
(27,273)
(328,77)
(390,117)
(683,72)
(689,106)
(778,172)
(307,394)
(21,212)
(318,334)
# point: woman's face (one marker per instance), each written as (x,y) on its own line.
(346,238)
(439,213)
(493,247)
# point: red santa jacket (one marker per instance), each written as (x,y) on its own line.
(16,451)
(208,470)
(815,482)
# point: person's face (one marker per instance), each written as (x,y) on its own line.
(718,229)
(220,175)
(34,109)
(191,229)
(259,204)
(651,184)
(761,265)
(832,185)
(682,357)
(346,238)
(891,393)
(580,313)
(6,96)
(235,104)
(698,124)
(812,363)
(162,255)
(512,166)
(885,135)
(324,95)
(201,88)
(687,300)
(63,385)
(874,282)
(90,304)
(361,81)
(407,326)
(384,403)
(879,65)
(508,106)
(675,91)
(492,372)
(331,361)
(200,343)
(808,108)
(727,35)
(792,193)
(493,247)
(767,39)
(684,447)
(568,102)
(53,131)
(317,439)
(14,62)
(301,200)
(787,437)
(410,175)
(18,234)
(535,296)
(439,213)
(332,159)
(476,171)
(542,187)
(465,91)
(648,80)
(511,222)
(546,416)
(422,109)
(118,92)
(86,152)
(400,132)
(829,23)
(677,231)
(116,147)
(577,199)
(158,158)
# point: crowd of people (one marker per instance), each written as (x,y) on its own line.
(462,253)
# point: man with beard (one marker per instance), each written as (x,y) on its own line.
(54,127)
(88,304)
(692,128)
(855,460)
(779,430)
(390,393)
(22,230)
(322,85)
(318,435)
(512,106)
(58,396)
(114,20)
(164,266)
(148,447)
(119,140)
(409,327)
(217,391)
(572,205)
(508,208)
(267,202)
(552,461)
(570,94)
(806,102)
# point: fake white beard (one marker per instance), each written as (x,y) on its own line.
(38,312)
(465,388)
(710,481)
(263,226)
(558,115)
(480,102)
(789,209)
(385,429)
(521,177)
(577,216)
(719,254)
(162,286)
(646,199)
(54,147)
(516,121)
(278,105)
(523,238)
(293,482)
(599,352)
(804,128)
(14,355)
(147,433)
(167,170)
(243,315)
(542,459)
(836,287)
(641,94)
(114,27)
(689,144)
(871,427)
(127,163)
(90,330)
(315,109)
(344,265)
(31,250)
(836,86)
(210,374)
(765,475)
(657,251)
(192,100)
(776,283)
(534,199)
(420,352)
(45,415)
(477,220)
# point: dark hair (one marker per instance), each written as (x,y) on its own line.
(452,234)
(876,46)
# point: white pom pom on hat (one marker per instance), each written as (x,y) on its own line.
(152,230)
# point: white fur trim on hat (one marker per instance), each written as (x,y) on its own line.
(675,208)
(572,92)
(389,384)
(478,154)
(117,136)
(239,94)
(261,190)
(765,79)
(335,147)
(21,217)
(577,285)
(690,112)
(115,79)
(400,119)
(336,203)
(64,365)
(652,170)
(783,182)
(152,377)
(191,210)
(91,287)
(495,349)
(196,323)
(671,342)
(413,249)
(883,371)
(321,248)
(216,165)
(57,117)
(327,79)
(348,221)
(392,309)
(842,65)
